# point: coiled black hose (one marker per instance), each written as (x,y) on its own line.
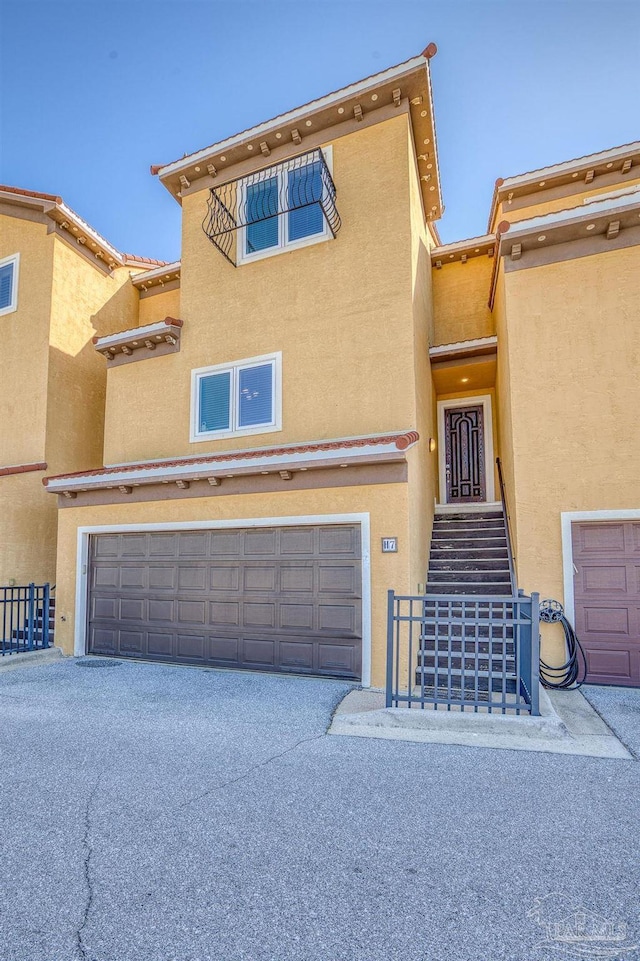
(572,673)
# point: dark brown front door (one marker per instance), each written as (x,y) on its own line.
(464,448)
(273,598)
(606,559)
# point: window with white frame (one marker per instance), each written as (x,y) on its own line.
(284,210)
(235,399)
(9,284)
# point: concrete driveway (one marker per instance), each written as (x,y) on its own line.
(170,814)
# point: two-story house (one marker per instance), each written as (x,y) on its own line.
(319,378)
(61,283)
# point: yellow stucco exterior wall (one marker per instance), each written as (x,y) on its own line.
(353,318)
(85,302)
(504,418)
(28,525)
(573,355)
(387,505)
(158,306)
(461,301)
(27,517)
(422,462)
(25,344)
(340,311)
(52,386)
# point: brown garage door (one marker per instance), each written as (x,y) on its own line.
(606,558)
(273,599)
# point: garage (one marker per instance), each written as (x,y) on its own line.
(286,599)
(606,559)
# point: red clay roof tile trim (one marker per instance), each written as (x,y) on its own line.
(145,260)
(401,441)
(21,469)
(405,440)
(31,193)
(53,198)
(168,321)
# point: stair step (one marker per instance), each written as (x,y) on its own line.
(469,543)
(497,673)
(460,552)
(467,515)
(502,589)
(428,654)
(503,682)
(468,524)
(470,533)
(446,633)
(467,564)
(482,643)
(460,577)
(470,655)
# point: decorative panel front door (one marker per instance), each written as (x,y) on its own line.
(464,448)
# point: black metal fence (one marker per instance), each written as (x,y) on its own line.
(467,652)
(26,615)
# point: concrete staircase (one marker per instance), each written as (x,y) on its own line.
(470,652)
(469,553)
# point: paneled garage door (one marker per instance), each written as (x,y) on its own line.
(273,599)
(606,558)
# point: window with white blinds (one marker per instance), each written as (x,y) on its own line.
(9,284)
(240,398)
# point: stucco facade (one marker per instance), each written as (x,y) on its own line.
(377,334)
(52,389)
(332,332)
(330,310)
(564,308)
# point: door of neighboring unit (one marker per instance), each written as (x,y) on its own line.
(275,599)
(606,559)
(464,451)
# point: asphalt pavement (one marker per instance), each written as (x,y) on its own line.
(174,814)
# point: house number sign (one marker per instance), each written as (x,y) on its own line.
(389,545)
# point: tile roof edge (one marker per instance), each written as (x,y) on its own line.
(402,441)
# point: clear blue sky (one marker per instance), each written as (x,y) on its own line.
(94,92)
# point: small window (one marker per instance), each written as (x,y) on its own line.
(9,284)
(283,211)
(240,398)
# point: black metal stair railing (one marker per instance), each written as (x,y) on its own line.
(302,182)
(507,525)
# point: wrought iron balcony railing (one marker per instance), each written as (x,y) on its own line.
(276,207)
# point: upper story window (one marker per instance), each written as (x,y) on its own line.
(235,399)
(9,284)
(291,204)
